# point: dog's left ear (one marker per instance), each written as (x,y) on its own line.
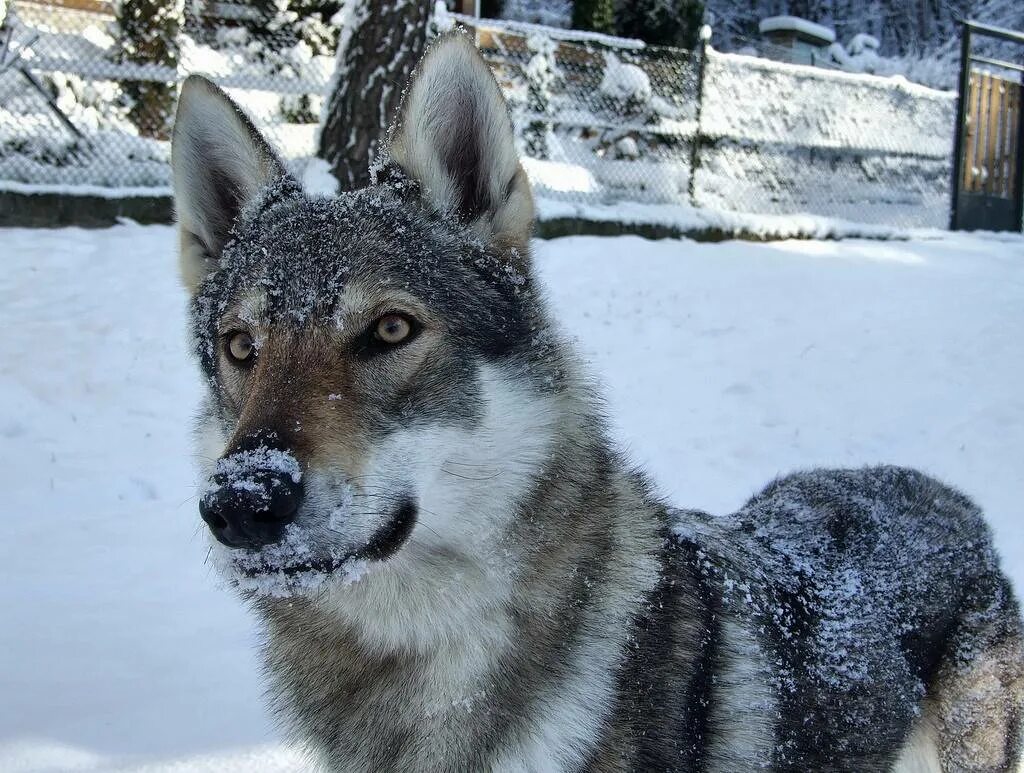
(454,137)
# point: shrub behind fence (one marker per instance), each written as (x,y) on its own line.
(598,120)
(600,123)
(116,137)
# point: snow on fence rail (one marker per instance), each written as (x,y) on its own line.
(599,120)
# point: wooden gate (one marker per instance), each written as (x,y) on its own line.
(988,185)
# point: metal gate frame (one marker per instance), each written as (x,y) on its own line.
(969,29)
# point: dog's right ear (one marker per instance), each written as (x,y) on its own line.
(219,162)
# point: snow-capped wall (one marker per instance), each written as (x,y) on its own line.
(779,138)
(762,101)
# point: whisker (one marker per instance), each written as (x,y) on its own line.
(471,477)
(466,464)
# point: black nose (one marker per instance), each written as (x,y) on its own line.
(250,511)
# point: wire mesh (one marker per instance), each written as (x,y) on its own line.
(598,120)
(602,123)
(84,103)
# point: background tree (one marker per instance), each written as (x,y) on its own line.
(595,15)
(904,27)
(661,22)
(147,33)
(492,9)
(380,43)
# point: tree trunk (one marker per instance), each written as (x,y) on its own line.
(381,41)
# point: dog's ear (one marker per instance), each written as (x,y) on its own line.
(454,136)
(219,162)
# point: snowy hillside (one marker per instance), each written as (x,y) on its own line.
(724,364)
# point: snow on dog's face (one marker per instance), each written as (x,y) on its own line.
(359,350)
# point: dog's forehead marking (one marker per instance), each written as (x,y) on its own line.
(353,301)
(252,309)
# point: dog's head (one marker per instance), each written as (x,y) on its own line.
(379,370)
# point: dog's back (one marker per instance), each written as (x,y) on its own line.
(874,602)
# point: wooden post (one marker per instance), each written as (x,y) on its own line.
(1018,172)
(1012,147)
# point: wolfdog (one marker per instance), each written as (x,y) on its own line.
(414,486)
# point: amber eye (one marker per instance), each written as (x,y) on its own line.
(393,328)
(241,347)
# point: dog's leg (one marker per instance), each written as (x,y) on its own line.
(920,753)
(978,693)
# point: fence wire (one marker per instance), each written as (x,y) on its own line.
(599,121)
(83,103)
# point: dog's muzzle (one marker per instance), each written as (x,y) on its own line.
(250,500)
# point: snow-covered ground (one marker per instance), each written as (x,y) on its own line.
(724,365)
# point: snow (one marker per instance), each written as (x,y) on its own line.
(687,219)
(796,24)
(241,465)
(724,364)
(556,33)
(624,82)
(862,42)
(317,178)
(73,189)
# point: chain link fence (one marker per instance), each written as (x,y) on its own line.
(600,121)
(597,119)
(83,103)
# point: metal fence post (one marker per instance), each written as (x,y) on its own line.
(961,121)
(1019,172)
(698,135)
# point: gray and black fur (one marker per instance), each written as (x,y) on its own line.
(527,602)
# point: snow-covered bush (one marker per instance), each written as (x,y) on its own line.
(147,33)
(625,84)
(541,75)
(289,39)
